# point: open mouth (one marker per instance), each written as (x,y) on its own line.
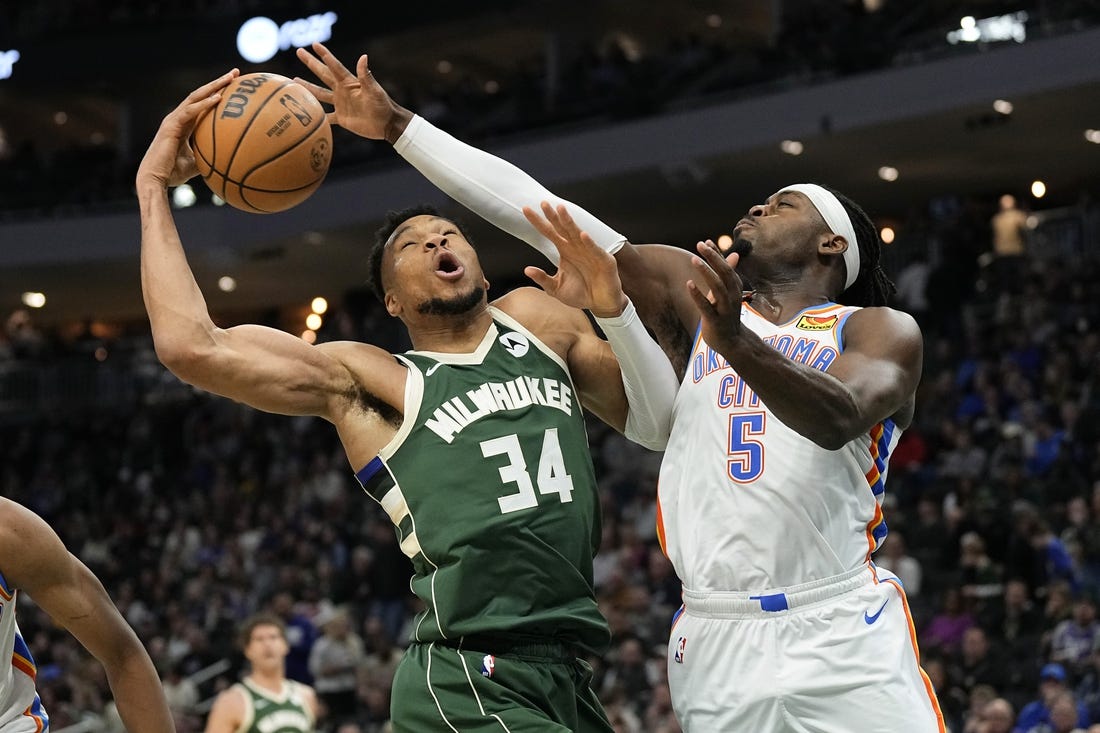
(448,267)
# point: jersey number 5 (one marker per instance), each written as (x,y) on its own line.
(746,461)
(552,477)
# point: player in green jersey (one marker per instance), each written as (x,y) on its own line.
(473,443)
(265,701)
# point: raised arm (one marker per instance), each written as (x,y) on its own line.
(35,561)
(587,277)
(263,367)
(497,191)
(875,377)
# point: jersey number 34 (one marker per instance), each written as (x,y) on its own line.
(551,477)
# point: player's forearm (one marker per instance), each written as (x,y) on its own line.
(492,188)
(177,309)
(648,379)
(138,692)
(814,404)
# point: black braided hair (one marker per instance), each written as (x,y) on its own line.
(872,286)
(393,220)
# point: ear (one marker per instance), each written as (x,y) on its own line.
(393,305)
(832,244)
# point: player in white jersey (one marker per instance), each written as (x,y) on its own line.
(33,560)
(770,492)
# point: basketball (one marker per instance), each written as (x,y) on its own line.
(265,146)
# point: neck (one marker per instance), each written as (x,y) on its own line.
(779,302)
(269,679)
(450,334)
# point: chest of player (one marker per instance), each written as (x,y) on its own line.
(497,447)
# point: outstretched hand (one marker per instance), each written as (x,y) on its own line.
(719,297)
(360,104)
(169,161)
(587,276)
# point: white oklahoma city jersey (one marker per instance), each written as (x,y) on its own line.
(748,504)
(20,709)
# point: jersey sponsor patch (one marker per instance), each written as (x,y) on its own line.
(816,323)
(515,344)
(488,664)
(681,648)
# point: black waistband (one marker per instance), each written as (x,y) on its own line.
(513,646)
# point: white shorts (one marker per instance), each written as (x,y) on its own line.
(832,656)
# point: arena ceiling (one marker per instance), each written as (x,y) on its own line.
(971,149)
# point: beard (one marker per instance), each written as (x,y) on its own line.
(453,306)
(741,246)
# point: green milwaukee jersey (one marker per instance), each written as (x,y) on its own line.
(490,484)
(267,712)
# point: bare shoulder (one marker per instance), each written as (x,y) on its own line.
(309,697)
(554,323)
(228,710)
(557,325)
(27,544)
(878,328)
(351,353)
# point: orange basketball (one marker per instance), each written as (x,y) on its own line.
(265,146)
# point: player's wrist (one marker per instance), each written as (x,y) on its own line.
(397,123)
(609,312)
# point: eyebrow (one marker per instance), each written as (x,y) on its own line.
(405,227)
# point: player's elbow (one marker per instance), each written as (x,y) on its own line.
(185,359)
(830,440)
(837,428)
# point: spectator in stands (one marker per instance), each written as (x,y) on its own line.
(894,556)
(1009,226)
(1073,640)
(334,662)
(945,631)
(996,717)
(1052,688)
(977,663)
(301,634)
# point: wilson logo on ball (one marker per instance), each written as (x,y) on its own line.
(235,104)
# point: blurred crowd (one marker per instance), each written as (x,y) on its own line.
(196,511)
(607,75)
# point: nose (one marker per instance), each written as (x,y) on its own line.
(757,210)
(436,240)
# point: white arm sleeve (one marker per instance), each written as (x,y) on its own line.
(492,188)
(648,377)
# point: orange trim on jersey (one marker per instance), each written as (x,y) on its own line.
(872,475)
(38,724)
(4,593)
(876,520)
(916,651)
(876,436)
(24,665)
(660,525)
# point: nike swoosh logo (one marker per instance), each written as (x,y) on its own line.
(432,368)
(871,619)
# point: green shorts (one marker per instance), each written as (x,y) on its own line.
(528,688)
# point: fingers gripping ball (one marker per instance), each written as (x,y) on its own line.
(265,146)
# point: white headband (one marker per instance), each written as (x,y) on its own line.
(837,219)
